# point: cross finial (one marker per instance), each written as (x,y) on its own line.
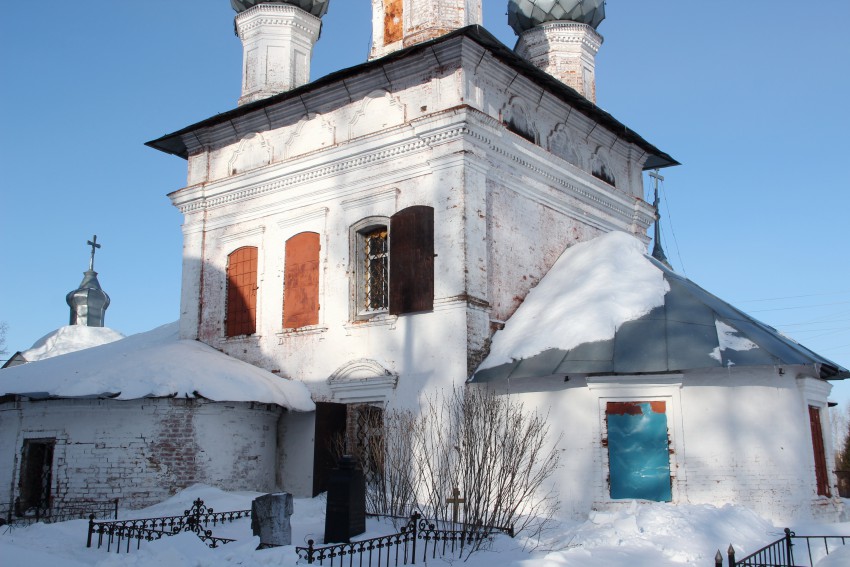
(94,245)
(657,250)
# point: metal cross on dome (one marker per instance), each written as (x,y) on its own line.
(93,243)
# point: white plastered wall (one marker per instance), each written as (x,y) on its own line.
(737,436)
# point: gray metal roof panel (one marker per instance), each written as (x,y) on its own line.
(682,334)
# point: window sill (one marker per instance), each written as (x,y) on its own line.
(306,330)
(240,339)
(377,320)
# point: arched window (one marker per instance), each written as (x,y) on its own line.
(372,253)
(301,281)
(241,316)
(395,263)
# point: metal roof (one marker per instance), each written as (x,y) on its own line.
(175,143)
(692,330)
(526,14)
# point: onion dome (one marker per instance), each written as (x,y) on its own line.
(526,14)
(88,302)
(316,8)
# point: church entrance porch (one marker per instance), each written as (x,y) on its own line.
(347,429)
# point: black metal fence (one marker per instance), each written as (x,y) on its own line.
(13,515)
(121,534)
(782,552)
(419,538)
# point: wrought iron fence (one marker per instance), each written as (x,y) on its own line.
(419,538)
(121,534)
(781,553)
(13,515)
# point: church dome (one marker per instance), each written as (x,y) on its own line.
(526,14)
(314,7)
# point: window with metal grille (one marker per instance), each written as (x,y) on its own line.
(395,263)
(376,269)
(241,318)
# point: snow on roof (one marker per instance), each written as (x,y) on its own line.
(154,364)
(606,307)
(590,291)
(70,338)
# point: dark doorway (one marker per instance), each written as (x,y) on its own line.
(330,431)
(36,477)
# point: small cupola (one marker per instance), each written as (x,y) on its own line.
(559,37)
(397,24)
(277,44)
(88,302)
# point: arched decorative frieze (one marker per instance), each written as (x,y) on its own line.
(516,119)
(562,144)
(313,132)
(362,380)
(378,111)
(254,151)
(601,166)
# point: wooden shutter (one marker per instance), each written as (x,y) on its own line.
(242,292)
(301,281)
(820,455)
(412,260)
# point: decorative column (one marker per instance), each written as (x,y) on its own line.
(277,42)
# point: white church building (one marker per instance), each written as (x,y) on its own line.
(455,210)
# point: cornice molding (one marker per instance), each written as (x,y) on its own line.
(369,199)
(320,213)
(245,234)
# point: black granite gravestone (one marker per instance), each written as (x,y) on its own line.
(346,509)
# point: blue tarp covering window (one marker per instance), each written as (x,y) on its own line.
(638,455)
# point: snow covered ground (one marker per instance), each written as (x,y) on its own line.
(656,535)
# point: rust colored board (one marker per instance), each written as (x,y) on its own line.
(820,455)
(241,316)
(393,20)
(634,408)
(301,281)
(412,260)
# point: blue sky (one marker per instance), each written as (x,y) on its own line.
(752,103)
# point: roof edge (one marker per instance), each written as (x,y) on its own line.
(173,144)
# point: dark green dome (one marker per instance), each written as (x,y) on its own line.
(317,8)
(526,14)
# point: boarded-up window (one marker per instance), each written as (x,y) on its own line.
(820,455)
(393,12)
(412,260)
(301,281)
(638,452)
(242,292)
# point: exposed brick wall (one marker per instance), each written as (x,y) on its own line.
(142,451)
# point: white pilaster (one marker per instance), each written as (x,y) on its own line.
(565,50)
(277,41)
